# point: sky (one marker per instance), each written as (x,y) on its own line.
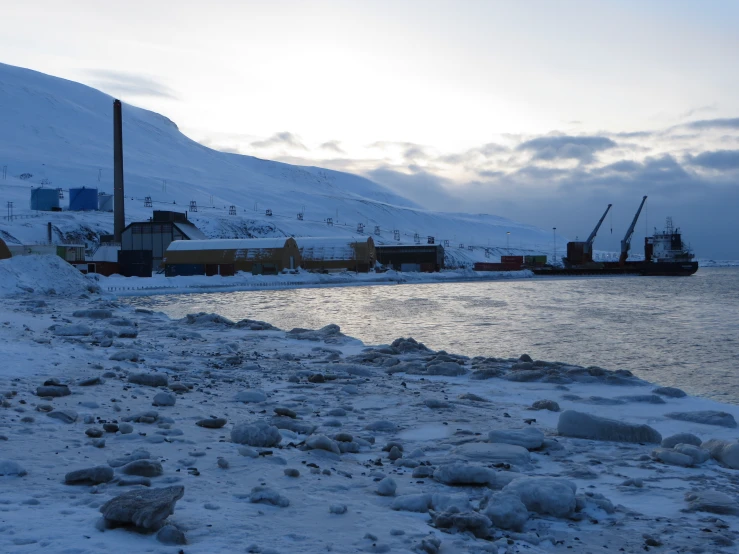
(541,111)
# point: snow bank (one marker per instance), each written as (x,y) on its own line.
(48,274)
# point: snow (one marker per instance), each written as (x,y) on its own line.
(159,284)
(310,480)
(225,244)
(41,273)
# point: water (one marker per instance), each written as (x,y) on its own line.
(676,331)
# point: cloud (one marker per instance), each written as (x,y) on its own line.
(284,138)
(566,147)
(731,123)
(121,83)
(722,160)
(692,112)
(333,146)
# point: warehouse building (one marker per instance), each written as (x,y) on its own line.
(228,256)
(154,236)
(337,253)
(411,257)
(71,253)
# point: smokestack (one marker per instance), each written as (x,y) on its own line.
(119,219)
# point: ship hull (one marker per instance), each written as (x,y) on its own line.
(674,269)
(678,269)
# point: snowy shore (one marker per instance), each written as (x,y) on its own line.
(159,284)
(292,441)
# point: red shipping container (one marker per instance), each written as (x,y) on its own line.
(511,260)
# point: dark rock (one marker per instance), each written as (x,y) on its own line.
(169,534)
(89,476)
(54,391)
(90,382)
(145,509)
(259,434)
(317,378)
(706,417)
(128,458)
(681,438)
(144,417)
(286,412)
(148,379)
(110,427)
(587,426)
(65,416)
(670,392)
(143,468)
(550,405)
(164,399)
(94,432)
(212,423)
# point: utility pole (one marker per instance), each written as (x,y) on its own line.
(554,258)
(10,211)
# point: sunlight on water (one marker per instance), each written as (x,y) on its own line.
(680,331)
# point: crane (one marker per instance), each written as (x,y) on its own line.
(580,253)
(588,246)
(626,242)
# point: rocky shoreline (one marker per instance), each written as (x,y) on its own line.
(124,429)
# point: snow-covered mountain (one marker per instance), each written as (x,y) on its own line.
(61,134)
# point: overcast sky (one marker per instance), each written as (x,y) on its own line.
(544,112)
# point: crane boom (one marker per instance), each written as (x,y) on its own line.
(626,243)
(589,243)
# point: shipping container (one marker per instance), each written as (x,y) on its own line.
(83,200)
(511,260)
(535,260)
(44,199)
(493,266)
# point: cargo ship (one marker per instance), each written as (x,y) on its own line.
(664,254)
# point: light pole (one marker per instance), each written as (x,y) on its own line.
(508,241)
(554,231)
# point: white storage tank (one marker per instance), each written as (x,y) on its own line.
(105,202)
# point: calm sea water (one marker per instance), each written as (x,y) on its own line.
(677,331)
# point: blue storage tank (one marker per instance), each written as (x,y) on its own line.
(44,199)
(84,199)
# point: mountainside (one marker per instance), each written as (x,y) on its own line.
(59,133)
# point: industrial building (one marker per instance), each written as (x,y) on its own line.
(71,253)
(83,200)
(103,261)
(155,236)
(337,253)
(411,257)
(228,256)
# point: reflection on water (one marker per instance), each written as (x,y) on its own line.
(676,331)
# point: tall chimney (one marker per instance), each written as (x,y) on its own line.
(119,219)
